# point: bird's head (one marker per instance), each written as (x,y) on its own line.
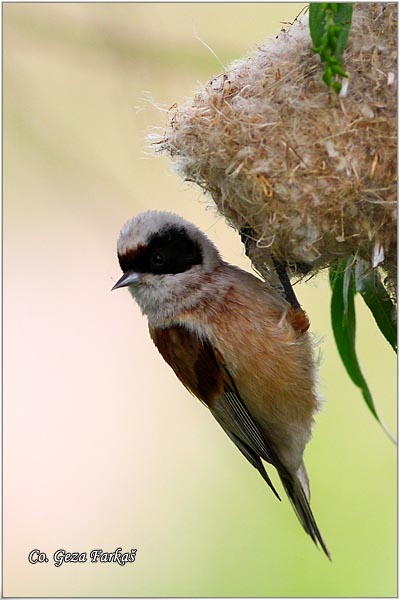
(163,258)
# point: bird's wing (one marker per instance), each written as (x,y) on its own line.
(203,372)
(251,456)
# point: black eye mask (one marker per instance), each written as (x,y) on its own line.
(168,252)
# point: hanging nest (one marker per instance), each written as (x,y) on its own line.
(312,173)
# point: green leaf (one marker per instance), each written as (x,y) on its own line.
(347,281)
(343,19)
(338,13)
(343,317)
(317,20)
(329,24)
(369,285)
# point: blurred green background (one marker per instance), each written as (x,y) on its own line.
(103,448)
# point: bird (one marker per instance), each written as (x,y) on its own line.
(233,341)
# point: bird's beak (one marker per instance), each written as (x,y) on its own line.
(128,278)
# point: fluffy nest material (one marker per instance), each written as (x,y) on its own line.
(312,173)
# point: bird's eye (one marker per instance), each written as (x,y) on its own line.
(157,258)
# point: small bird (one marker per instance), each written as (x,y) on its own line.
(233,341)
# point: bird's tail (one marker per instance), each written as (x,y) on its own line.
(298,498)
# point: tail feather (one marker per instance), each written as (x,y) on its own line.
(298,498)
(302,475)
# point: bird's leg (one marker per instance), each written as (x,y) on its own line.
(287,286)
(248,238)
